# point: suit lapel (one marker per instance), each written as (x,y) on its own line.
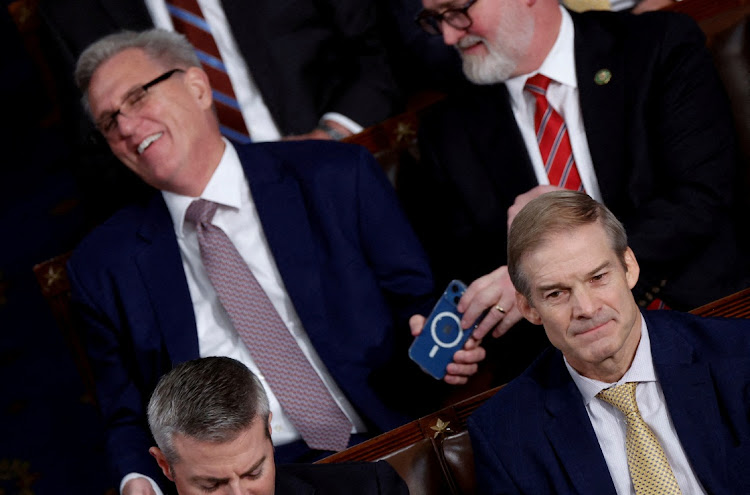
(160,265)
(692,404)
(287,228)
(571,435)
(602,105)
(495,137)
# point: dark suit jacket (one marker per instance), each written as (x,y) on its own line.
(349,260)
(534,436)
(306,58)
(662,144)
(365,478)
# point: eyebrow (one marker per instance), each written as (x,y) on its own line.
(544,288)
(211,479)
(108,113)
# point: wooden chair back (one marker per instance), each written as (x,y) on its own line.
(52,277)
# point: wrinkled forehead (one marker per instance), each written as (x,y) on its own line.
(119,75)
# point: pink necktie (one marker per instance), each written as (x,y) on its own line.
(294,381)
(552,137)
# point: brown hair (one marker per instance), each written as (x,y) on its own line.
(552,213)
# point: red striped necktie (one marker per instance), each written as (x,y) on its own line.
(552,137)
(187,19)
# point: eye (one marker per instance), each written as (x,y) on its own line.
(553,295)
(109,124)
(254,475)
(136,99)
(210,488)
(598,277)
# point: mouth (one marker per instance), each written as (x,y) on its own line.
(590,328)
(468,42)
(148,141)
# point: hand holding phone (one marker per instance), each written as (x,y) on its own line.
(442,335)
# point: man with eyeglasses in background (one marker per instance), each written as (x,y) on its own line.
(293,258)
(627,108)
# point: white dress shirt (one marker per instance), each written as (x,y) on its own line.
(238,218)
(562,94)
(610,425)
(257,117)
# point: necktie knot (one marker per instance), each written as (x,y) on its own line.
(201,211)
(538,84)
(622,397)
(649,468)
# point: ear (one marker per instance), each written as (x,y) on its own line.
(161,460)
(270,430)
(633,271)
(197,83)
(527,310)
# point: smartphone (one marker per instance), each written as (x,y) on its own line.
(442,335)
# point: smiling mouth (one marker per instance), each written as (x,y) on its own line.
(148,141)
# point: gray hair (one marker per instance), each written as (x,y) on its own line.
(171,49)
(210,399)
(553,213)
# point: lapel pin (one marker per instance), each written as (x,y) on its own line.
(602,77)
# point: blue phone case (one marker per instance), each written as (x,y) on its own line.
(442,335)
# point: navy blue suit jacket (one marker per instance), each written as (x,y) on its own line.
(349,260)
(534,436)
(662,144)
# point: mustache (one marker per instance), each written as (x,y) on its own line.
(469,40)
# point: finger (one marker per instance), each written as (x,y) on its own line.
(472,343)
(469,357)
(480,302)
(455,380)
(489,322)
(462,369)
(474,289)
(510,319)
(416,323)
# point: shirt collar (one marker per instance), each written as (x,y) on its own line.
(559,65)
(225,188)
(642,370)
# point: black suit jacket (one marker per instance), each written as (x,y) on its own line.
(534,436)
(365,478)
(662,145)
(307,58)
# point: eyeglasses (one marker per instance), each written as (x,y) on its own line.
(132,102)
(457,17)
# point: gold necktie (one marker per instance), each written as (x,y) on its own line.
(584,5)
(649,468)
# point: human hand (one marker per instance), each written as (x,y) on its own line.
(523,199)
(649,5)
(138,486)
(493,292)
(465,362)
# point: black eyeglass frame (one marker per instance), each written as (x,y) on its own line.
(456,17)
(107,124)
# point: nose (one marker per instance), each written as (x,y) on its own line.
(451,35)
(585,304)
(126,124)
